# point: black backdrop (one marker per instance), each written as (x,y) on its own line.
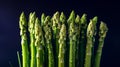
(107,11)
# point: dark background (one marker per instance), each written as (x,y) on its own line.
(10,10)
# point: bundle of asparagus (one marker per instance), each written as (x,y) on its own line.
(57,42)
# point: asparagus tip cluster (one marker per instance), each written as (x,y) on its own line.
(60,42)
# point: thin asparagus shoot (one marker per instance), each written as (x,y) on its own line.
(31,30)
(103,29)
(24,43)
(19,61)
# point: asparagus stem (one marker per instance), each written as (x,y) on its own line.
(83,28)
(95,19)
(43,23)
(90,42)
(24,44)
(19,61)
(77,51)
(39,44)
(56,29)
(48,38)
(73,40)
(31,24)
(102,34)
(62,46)
(63,21)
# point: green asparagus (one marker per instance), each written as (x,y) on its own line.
(31,30)
(48,38)
(39,44)
(63,21)
(77,51)
(83,29)
(90,43)
(19,60)
(62,46)
(24,42)
(95,20)
(73,39)
(56,29)
(61,42)
(102,34)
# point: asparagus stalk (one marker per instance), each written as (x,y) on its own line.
(90,43)
(24,43)
(94,35)
(48,38)
(62,46)
(56,29)
(39,44)
(73,39)
(71,46)
(102,34)
(19,61)
(77,52)
(31,24)
(83,28)
(63,21)
(43,23)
